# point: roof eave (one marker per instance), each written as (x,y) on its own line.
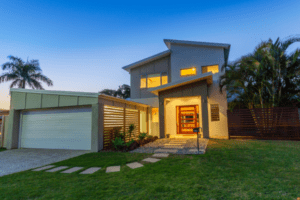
(147,60)
(207,77)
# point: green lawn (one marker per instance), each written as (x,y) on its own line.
(230,169)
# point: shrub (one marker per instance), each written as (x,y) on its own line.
(129,143)
(131,129)
(118,143)
(142,136)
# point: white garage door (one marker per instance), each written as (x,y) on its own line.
(57,129)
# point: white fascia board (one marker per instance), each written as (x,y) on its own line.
(68,93)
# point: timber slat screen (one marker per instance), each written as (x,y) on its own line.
(264,123)
(118,118)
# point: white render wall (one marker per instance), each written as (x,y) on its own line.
(186,56)
(170,112)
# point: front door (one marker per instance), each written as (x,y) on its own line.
(187,119)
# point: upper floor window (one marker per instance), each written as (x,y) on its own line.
(153,80)
(188,71)
(212,68)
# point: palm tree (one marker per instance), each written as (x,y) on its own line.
(22,73)
(268,77)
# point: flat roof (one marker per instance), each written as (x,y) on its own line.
(69,93)
(147,60)
(83,94)
(184,81)
(168,42)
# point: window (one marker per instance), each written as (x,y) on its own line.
(154,80)
(164,78)
(215,114)
(188,72)
(143,81)
(154,114)
(212,68)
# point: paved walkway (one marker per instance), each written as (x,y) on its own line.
(16,160)
(174,146)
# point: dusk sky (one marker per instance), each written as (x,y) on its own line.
(83,45)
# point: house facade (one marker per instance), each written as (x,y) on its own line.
(171,93)
(181,86)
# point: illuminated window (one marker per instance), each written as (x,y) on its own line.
(143,81)
(153,80)
(164,78)
(188,72)
(154,114)
(212,68)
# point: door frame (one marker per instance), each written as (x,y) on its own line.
(177,118)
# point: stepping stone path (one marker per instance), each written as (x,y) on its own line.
(134,165)
(160,155)
(57,169)
(113,169)
(43,168)
(152,160)
(74,169)
(91,170)
(166,151)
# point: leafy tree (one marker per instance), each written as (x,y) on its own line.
(22,73)
(122,92)
(268,77)
(109,92)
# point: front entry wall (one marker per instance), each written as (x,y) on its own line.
(190,90)
(170,111)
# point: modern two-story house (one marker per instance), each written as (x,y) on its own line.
(181,86)
(171,93)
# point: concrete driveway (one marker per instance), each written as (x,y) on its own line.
(16,160)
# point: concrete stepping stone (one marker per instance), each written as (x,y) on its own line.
(134,165)
(174,147)
(90,170)
(160,155)
(195,151)
(152,160)
(57,169)
(113,169)
(43,168)
(165,151)
(73,169)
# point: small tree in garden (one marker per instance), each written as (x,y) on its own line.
(131,129)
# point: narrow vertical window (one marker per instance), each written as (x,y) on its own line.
(215,112)
(164,78)
(154,114)
(143,81)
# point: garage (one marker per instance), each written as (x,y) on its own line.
(56,129)
(44,119)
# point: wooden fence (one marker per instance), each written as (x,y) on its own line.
(119,119)
(264,123)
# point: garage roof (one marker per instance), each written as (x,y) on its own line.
(84,94)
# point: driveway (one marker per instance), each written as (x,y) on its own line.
(16,160)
